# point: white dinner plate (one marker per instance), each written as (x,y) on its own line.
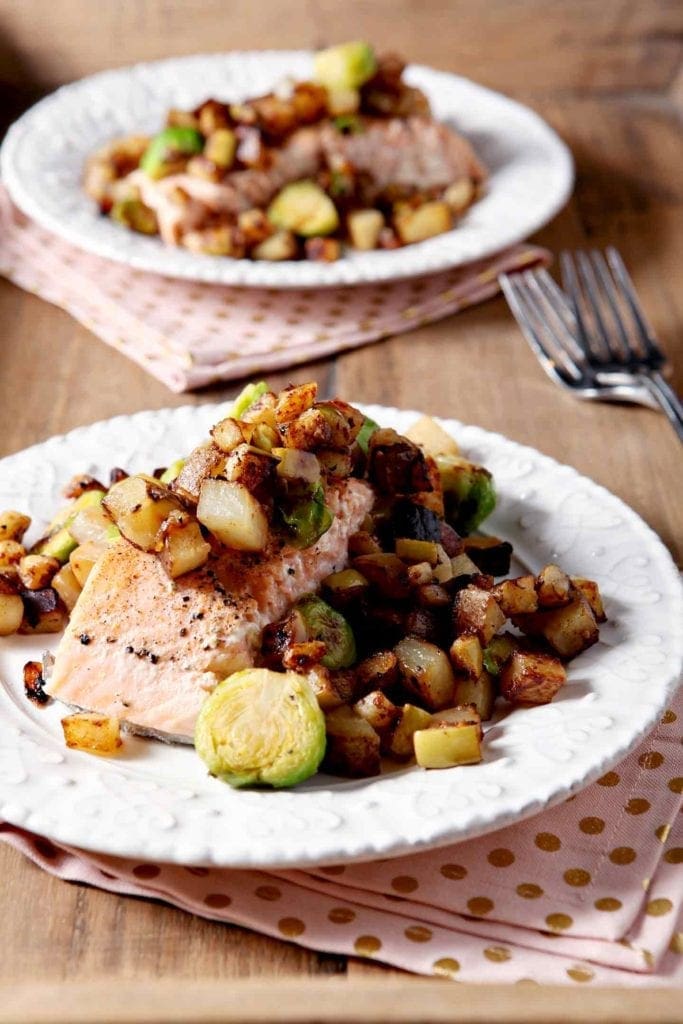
(156,802)
(44,152)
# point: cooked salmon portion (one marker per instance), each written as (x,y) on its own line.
(413,151)
(147,649)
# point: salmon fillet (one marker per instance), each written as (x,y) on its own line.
(147,649)
(414,151)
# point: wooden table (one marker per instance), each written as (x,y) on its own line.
(606,74)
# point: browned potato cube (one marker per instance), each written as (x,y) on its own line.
(426,221)
(412,718)
(227,434)
(530,678)
(11,553)
(447,746)
(477,611)
(281,245)
(322,250)
(36,571)
(420,574)
(11,607)
(378,672)
(43,612)
(460,195)
(353,746)
(249,466)
(184,546)
(591,592)
(516,597)
(363,543)
(92,733)
(553,587)
(138,505)
(13,525)
(467,656)
(377,709)
(386,572)
(568,630)
(204,461)
(294,400)
(426,672)
(327,693)
(461,714)
(67,586)
(479,692)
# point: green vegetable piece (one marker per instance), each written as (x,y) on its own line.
(307,518)
(169,474)
(497,652)
(261,728)
(366,431)
(135,215)
(303,207)
(324,623)
(347,66)
(249,394)
(469,492)
(168,149)
(348,124)
(59,545)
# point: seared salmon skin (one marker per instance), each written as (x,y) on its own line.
(147,649)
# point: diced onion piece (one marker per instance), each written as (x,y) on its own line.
(233,515)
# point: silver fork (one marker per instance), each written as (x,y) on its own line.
(593,338)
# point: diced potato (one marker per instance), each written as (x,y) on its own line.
(281,245)
(363,543)
(43,612)
(353,746)
(11,607)
(36,571)
(233,515)
(248,466)
(67,586)
(426,672)
(386,572)
(295,400)
(11,554)
(443,571)
(516,597)
(303,656)
(432,438)
(480,692)
(227,434)
(83,559)
(476,611)
(345,586)
(13,525)
(433,595)
(568,630)
(205,461)
(460,195)
(530,678)
(93,524)
(378,672)
(222,240)
(420,574)
(327,693)
(92,733)
(220,148)
(342,101)
(591,592)
(254,226)
(462,565)
(184,546)
(294,464)
(335,465)
(460,714)
(412,718)
(467,656)
(417,550)
(309,431)
(322,250)
(265,437)
(139,505)
(426,221)
(447,746)
(376,708)
(553,587)
(364,227)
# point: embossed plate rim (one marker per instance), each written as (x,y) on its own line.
(532,168)
(155,803)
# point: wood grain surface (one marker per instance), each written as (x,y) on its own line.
(607,75)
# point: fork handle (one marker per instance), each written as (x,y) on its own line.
(667,399)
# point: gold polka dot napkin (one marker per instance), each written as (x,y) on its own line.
(588,891)
(188,334)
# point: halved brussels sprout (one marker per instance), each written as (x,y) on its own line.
(346,66)
(324,623)
(469,492)
(261,728)
(366,431)
(249,394)
(307,518)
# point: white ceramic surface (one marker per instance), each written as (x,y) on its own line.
(156,802)
(43,155)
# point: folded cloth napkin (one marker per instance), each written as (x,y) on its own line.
(188,334)
(588,891)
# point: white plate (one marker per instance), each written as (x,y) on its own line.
(156,802)
(44,152)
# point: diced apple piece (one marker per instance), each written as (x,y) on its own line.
(432,438)
(466,655)
(412,718)
(426,672)
(353,747)
(92,733)
(516,597)
(447,746)
(553,587)
(477,611)
(233,515)
(530,678)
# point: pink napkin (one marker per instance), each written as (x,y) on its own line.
(588,891)
(188,334)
